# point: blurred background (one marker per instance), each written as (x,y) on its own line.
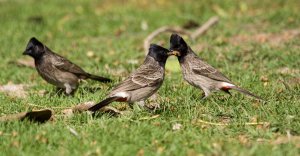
(112,31)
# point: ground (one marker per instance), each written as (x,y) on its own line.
(255,43)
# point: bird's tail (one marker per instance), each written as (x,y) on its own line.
(244,91)
(103,103)
(98,78)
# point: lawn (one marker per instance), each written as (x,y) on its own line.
(256,44)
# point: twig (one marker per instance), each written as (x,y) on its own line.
(193,35)
(160,30)
(227,124)
(72,131)
(149,118)
(201,30)
(24,63)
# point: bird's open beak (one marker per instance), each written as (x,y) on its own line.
(174,52)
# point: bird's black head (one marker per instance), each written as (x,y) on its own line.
(34,48)
(178,46)
(159,53)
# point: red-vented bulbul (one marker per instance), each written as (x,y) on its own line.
(56,69)
(143,82)
(199,73)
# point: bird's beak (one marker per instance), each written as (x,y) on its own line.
(174,52)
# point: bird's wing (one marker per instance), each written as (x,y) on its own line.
(202,68)
(148,75)
(145,76)
(67,66)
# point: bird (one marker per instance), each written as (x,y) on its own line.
(56,69)
(200,74)
(142,83)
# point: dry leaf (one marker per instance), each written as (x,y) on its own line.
(152,103)
(225,119)
(83,107)
(291,83)
(41,138)
(286,139)
(141,152)
(40,116)
(294,81)
(14,90)
(261,140)
(119,31)
(90,54)
(176,126)
(15,144)
(160,150)
(274,39)
(243,139)
(264,79)
(288,71)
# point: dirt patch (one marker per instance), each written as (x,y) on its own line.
(274,39)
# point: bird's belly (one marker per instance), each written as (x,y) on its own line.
(200,81)
(56,77)
(142,94)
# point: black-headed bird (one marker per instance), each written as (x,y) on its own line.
(56,69)
(199,73)
(143,82)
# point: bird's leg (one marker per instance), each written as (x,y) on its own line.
(147,106)
(130,105)
(141,103)
(205,94)
(69,89)
(73,90)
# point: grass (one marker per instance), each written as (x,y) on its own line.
(112,30)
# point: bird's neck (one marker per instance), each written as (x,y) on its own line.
(150,60)
(38,59)
(184,58)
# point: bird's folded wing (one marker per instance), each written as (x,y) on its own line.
(148,76)
(202,68)
(145,76)
(67,66)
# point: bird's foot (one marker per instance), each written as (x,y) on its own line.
(204,96)
(149,107)
(70,90)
